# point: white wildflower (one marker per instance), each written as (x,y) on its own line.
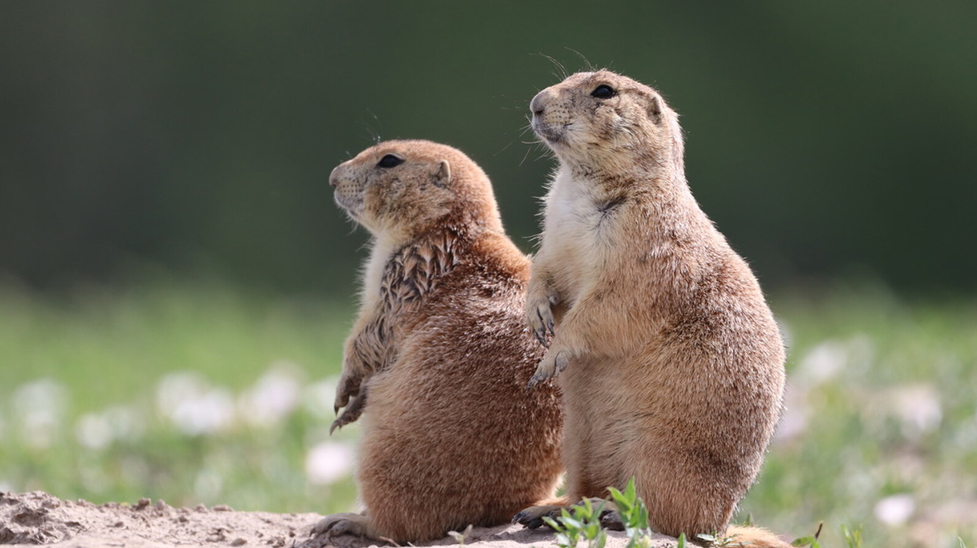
(208,485)
(918,408)
(895,510)
(319,396)
(93,431)
(823,362)
(328,462)
(98,430)
(194,407)
(272,397)
(40,407)
(175,388)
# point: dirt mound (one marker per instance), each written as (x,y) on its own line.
(39,518)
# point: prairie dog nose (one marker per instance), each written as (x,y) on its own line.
(538,104)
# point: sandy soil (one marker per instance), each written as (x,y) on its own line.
(39,518)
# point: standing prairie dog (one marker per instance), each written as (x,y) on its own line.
(670,361)
(438,360)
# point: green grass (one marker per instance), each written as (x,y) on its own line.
(882,407)
(102,350)
(896,417)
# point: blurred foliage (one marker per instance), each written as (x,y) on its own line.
(879,432)
(194,393)
(825,139)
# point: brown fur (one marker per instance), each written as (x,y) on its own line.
(439,358)
(673,362)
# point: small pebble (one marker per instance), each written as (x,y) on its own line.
(143,502)
(239,542)
(222,508)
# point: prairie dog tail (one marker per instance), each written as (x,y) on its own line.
(754,537)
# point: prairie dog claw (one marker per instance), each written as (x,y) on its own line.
(348,387)
(562,360)
(549,367)
(532,517)
(539,315)
(354,408)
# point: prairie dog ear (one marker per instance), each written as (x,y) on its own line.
(443,176)
(655,109)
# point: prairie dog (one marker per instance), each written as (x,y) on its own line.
(438,360)
(670,360)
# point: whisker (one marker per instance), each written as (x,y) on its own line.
(503,149)
(526,155)
(365,245)
(563,70)
(590,66)
(373,131)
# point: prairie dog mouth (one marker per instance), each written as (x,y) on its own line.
(551,133)
(352,204)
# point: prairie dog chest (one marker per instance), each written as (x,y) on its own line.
(577,233)
(380,253)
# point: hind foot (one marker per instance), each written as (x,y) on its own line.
(532,517)
(335,525)
(610,519)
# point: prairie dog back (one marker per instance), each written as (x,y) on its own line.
(437,362)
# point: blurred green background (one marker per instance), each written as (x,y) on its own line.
(826,139)
(176,282)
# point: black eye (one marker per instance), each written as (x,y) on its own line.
(603,91)
(390,161)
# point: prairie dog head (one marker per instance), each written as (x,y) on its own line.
(604,122)
(401,189)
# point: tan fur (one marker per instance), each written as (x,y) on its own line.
(673,362)
(439,358)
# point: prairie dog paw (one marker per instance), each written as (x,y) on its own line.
(353,410)
(539,315)
(611,520)
(335,525)
(532,517)
(348,387)
(553,363)
(351,413)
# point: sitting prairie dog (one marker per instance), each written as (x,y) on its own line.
(439,358)
(670,361)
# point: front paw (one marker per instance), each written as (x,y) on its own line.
(348,388)
(553,363)
(539,316)
(352,411)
